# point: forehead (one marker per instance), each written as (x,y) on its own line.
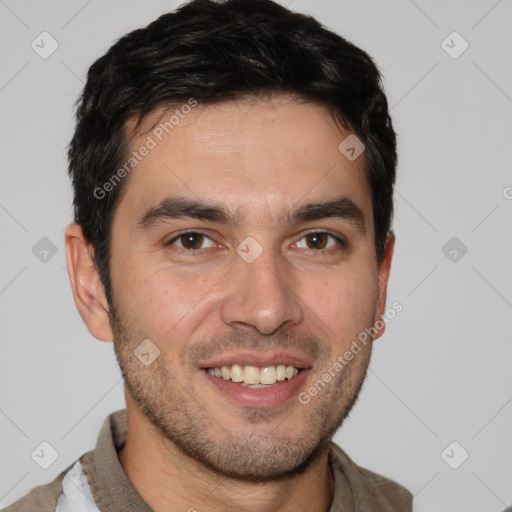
(252,154)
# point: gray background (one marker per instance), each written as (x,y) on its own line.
(441,373)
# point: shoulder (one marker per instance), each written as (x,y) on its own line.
(44,498)
(370,491)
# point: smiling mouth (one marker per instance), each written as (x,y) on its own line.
(254,377)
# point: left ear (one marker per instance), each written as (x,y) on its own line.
(384,269)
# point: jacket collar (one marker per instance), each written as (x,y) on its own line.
(112,491)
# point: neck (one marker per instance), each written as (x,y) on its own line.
(167,479)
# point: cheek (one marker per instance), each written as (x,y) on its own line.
(344,302)
(164,302)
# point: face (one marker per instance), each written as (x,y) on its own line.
(243,249)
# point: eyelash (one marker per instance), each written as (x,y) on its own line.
(189,251)
(342,243)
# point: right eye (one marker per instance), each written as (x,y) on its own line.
(192,241)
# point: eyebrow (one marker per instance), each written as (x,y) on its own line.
(181,208)
(340,208)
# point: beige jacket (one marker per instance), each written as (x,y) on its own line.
(356,489)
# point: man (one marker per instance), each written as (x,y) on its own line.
(233,167)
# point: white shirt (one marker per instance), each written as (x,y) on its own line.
(76,494)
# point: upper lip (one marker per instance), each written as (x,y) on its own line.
(257,359)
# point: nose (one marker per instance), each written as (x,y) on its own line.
(261,295)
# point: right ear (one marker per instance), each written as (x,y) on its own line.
(88,290)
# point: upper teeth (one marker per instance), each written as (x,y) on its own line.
(254,375)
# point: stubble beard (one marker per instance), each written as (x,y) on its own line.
(172,407)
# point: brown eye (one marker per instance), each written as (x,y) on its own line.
(192,241)
(317,240)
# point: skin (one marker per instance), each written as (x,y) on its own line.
(190,446)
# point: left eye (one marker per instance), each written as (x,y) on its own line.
(318,241)
(192,241)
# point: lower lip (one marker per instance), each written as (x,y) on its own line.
(259,397)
